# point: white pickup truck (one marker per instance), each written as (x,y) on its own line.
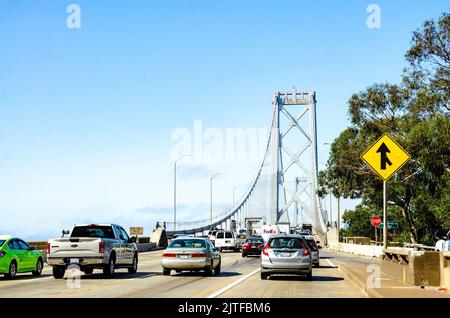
(91,246)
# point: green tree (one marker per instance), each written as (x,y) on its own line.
(416,114)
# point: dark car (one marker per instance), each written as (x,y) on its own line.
(252,246)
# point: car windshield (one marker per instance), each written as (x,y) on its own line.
(187,243)
(254,240)
(93,231)
(285,242)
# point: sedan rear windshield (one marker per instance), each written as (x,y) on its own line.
(93,231)
(254,240)
(187,243)
(285,242)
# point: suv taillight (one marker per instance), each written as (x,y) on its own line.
(264,251)
(101,247)
(48,248)
(305,249)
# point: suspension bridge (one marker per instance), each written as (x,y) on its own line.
(284,189)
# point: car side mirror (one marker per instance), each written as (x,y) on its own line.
(32,248)
(133,239)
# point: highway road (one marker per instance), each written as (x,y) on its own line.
(239,278)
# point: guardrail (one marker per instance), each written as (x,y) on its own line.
(445,269)
(413,267)
(397,255)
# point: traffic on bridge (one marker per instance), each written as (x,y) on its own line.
(220,158)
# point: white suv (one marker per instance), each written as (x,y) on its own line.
(227,240)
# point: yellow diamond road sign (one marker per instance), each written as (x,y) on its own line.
(385,157)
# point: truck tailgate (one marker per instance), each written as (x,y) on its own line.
(75,247)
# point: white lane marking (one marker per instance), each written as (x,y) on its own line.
(330,263)
(240,280)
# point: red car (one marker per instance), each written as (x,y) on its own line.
(252,246)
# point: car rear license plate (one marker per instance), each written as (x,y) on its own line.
(183,256)
(74,261)
(285,254)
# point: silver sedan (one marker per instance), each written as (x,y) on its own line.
(286,254)
(191,254)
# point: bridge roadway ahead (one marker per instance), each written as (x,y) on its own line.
(239,278)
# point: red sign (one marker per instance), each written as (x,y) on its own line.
(375,221)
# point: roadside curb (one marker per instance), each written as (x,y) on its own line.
(369,292)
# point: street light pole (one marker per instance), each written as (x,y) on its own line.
(211,196)
(175,191)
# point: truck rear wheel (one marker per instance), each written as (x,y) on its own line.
(110,268)
(58,272)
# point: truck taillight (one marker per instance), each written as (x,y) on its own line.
(264,251)
(101,247)
(48,248)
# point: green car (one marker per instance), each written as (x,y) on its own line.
(16,256)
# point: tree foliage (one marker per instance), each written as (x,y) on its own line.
(414,112)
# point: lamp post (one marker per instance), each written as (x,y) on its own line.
(211,195)
(175,191)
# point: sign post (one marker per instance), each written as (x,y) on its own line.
(385,229)
(384,165)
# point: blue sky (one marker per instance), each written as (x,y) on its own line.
(86,115)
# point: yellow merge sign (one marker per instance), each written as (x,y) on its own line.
(385,157)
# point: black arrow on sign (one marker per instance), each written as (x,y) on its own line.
(383,150)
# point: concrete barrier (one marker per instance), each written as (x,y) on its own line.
(444,259)
(357,249)
(362,240)
(415,268)
(145,247)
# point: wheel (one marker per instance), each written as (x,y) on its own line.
(244,255)
(166,272)
(309,275)
(88,271)
(264,275)
(133,270)
(39,266)
(58,272)
(12,270)
(209,269)
(110,268)
(217,269)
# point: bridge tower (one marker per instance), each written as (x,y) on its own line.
(294,159)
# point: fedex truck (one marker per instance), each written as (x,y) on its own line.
(271,229)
